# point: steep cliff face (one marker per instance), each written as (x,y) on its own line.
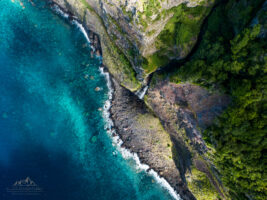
(137,37)
(143,30)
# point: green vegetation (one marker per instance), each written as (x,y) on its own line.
(200,186)
(232,57)
(151,7)
(120,66)
(176,40)
(183,26)
(179,34)
(84,2)
(117,62)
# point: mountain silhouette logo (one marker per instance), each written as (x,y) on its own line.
(25,182)
(25,187)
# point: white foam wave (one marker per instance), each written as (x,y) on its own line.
(126,154)
(58,10)
(82,29)
(116,141)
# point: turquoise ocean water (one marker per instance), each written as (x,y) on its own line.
(51,127)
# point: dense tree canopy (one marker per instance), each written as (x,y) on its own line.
(233,58)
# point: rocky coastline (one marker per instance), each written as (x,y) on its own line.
(129,115)
(163,129)
(142,133)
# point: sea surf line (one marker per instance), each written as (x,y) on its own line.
(116,140)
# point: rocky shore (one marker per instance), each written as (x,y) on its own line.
(142,133)
(164,130)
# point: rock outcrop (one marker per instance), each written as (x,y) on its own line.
(137,37)
(143,134)
(185,110)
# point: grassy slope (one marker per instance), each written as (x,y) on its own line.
(178,36)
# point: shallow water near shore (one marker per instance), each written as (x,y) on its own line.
(51,125)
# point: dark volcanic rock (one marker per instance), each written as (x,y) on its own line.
(143,134)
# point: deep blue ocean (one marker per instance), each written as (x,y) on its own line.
(51,127)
